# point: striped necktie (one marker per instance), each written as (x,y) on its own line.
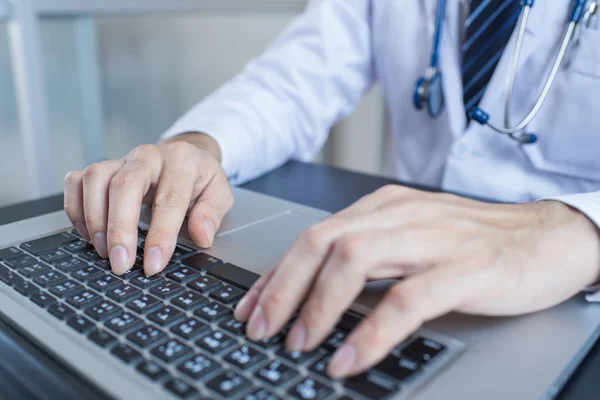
(489,27)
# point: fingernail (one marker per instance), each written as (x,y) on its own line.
(100,244)
(342,361)
(209,230)
(296,337)
(245,306)
(82,229)
(119,260)
(152,261)
(257,326)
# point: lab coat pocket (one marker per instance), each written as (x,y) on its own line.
(568,125)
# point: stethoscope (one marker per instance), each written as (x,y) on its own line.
(429,92)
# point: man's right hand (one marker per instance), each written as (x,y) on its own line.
(178,177)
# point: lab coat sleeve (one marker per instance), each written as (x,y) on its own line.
(283,104)
(588,204)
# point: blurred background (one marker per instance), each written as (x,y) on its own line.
(143,72)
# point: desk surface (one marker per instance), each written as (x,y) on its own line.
(332,190)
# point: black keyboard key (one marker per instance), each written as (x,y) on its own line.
(171,351)
(144,304)
(229,384)
(310,389)
(85,299)
(103,311)
(201,261)
(227,294)
(400,368)
(261,394)
(198,366)
(180,252)
(244,356)
(21,261)
(26,288)
(142,233)
(348,321)
(152,370)
(233,325)
(334,340)
(69,265)
(89,255)
(61,311)
(320,366)
(190,328)
(78,246)
(81,324)
(371,385)
(34,269)
(10,252)
(49,278)
(204,284)
(235,275)
(215,342)
(102,338)
(296,357)
(189,300)
(423,350)
(87,273)
(181,389)
(126,353)
(133,272)
(145,282)
(166,316)
(9,277)
(105,283)
(167,289)
(54,256)
(276,373)
(123,323)
(123,293)
(103,265)
(43,299)
(147,336)
(272,342)
(183,274)
(37,246)
(65,289)
(212,311)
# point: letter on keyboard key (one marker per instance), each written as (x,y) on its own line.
(201,261)
(183,274)
(145,282)
(65,289)
(105,283)
(166,289)
(103,311)
(20,261)
(78,246)
(227,294)
(87,273)
(244,356)
(54,256)
(147,336)
(215,342)
(261,394)
(10,252)
(48,278)
(81,324)
(371,386)
(212,311)
(181,389)
(43,299)
(228,384)
(69,265)
(25,288)
(233,325)
(152,370)
(102,338)
(204,284)
(61,311)
(190,328)
(124,322)
(423,350)
(276,373)
(198,367)
(309,389)
(126,353)
(189,300)
(123,293)
(296,357)
(400,368)
(35,270)
(84,299)
(166,316)
(144,304)
(171,351)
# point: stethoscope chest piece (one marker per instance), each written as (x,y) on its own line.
(429,93)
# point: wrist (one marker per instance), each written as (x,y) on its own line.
(200,140)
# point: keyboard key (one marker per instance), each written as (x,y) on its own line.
(190,328)
(167,289)
(61,311)
(124,322)
(334,340)
(227,294)
(105,283)
(180,252)
(189,300)
(126,353)
(423,350)
(103,265)
(87,273)
(166,316)
(102,338)
(54,256)
(43,299)
(296,357)
(204,284)
(198,367)
(147,336)
(212,311)
(49,277)
(183,274)
(103,311)
(244,356)
(152,370)
(310,389)
(10,252)
(260,394)
(371,385)
(144,304)
(65,289)
(21,261)
(233,325)
(234,275)
(142,233)
(69,265)
(123,293)
(89,254)
(171,351)
(9,277)
(400,368)
(132,272)
(26,288)
(215,342)
(201,261)
(229,384)
(81,324)
(348,321)
(145,282)
(272,342)
(181,388)
(84,299)
(47,243)
(34,269)
(276,373)
(320,366)
(78,246)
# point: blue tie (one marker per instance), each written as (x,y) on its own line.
(489,27)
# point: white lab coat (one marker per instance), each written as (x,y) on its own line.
(283,104)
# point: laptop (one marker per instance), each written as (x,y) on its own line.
(173,336)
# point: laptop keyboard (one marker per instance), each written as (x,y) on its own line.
(177,328)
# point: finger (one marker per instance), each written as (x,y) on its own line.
(404,308)
(207,213)
(378,198)
(248,302)
(96,179)
(173,195)
(126,190)
(73,202)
